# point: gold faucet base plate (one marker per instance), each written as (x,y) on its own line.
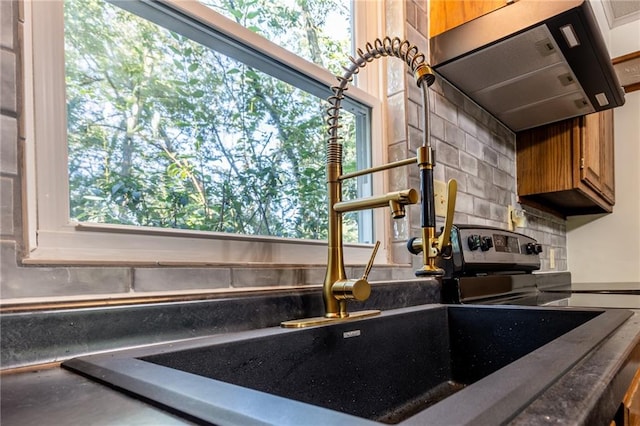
(310,322)
(429,272)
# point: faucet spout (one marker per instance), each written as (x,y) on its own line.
(396,200)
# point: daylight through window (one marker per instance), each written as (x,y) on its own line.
(164,131)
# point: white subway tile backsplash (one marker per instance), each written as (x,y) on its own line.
(472,109)
(468,163)
(496,223)
(461,218)
(445,109)
(414,92)
(376,274)
(453,135)
(416,139)
(490,155)
(484,135)
(412,21)
(314,276)
(266,277)
(464,203)
(6,23)
(475,220)
(394,17)
(481,207)
(6,207)
(507,165)
(176,279)
(414,114)
(502,179)
(397,118)
(558,240)
(439,171)
(398,152)
(460,176)
(468,124)
(473,146)
(498,212)
(477,187)
(505,145)
(8,87)
(19,282)
(8,145)
(447,154)
(398,177)
(422,6)
(501,196)
(395,77)
(436,126)
(452,94)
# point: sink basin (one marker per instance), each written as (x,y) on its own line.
(421,365)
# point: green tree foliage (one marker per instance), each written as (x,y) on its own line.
(165,132)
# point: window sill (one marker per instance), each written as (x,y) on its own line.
(119,245)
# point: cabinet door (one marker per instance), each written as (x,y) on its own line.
(446,14)
(567,167)
(545,158)
(629,412)
(597,150)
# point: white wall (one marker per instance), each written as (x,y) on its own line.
(606,248)
(620,40)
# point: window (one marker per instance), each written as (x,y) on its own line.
(180,121)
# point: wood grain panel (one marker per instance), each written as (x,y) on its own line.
(447,14)
(607,183)
(598,153)
(568,166)
(545,158)
(627,68)
(591,169)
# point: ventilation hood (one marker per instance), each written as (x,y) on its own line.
(530,62)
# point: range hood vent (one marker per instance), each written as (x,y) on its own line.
(531,62)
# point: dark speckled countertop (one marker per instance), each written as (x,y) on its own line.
(613,295)
(603,295)
(588,393)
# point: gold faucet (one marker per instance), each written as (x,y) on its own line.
(337,288)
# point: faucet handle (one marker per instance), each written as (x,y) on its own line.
(358,289)
(371,260)
(445,237)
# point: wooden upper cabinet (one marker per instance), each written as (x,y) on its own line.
(447,14)
(568,167)
(597,170)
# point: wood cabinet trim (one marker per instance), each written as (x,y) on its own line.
(446,14)
(626,67)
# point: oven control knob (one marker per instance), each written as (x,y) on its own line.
(486,243)
(532,248)
(474,242)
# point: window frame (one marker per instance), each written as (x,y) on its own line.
(52,238)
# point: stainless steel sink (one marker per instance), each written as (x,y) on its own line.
(431,364)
